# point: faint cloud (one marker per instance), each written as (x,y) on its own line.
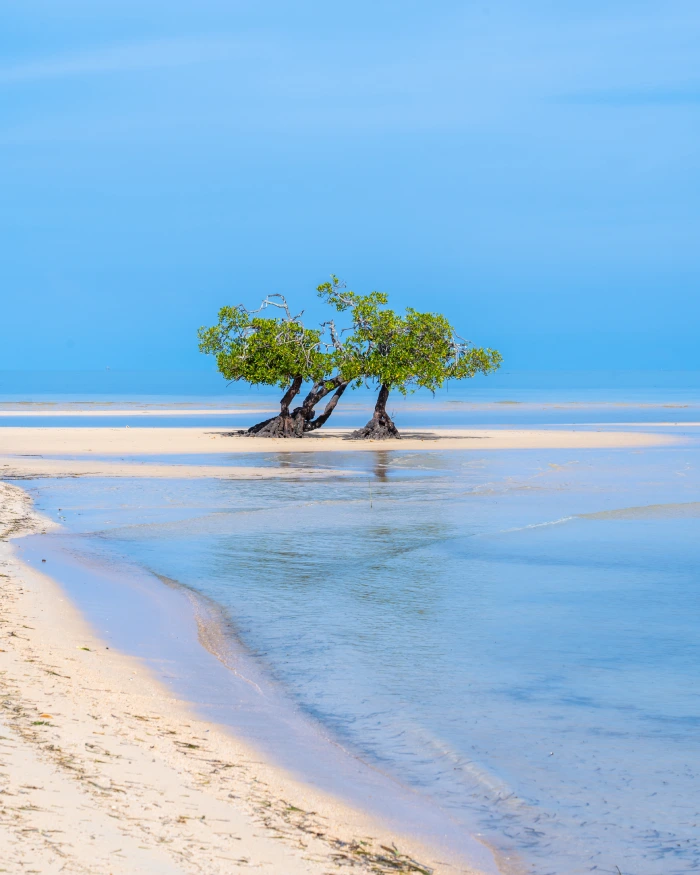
(119,59)
(664,96)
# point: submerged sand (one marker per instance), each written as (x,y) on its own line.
(103,771)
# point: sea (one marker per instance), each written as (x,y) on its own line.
(498,651)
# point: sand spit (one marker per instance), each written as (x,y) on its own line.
(18,468)
(52,452)
(102,771)
(25,445)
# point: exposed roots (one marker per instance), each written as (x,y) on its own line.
(379,428)
(279,427)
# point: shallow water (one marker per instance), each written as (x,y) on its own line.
(514,634)
(462,409)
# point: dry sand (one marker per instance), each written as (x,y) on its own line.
(27,452)
(102,771)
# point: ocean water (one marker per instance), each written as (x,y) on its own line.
(515,636)
(114,399)
(408,413)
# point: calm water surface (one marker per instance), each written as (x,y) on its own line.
(515,634)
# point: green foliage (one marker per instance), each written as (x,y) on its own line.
(268,351)
(427,352)
(417,350)
(363,307)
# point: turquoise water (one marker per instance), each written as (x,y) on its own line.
(407,413)
(204,385)
(196,399)
(513,634)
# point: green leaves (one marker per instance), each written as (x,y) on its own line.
(268,351)
(405,352)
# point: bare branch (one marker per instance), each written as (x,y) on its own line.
(268,302)
(335,339)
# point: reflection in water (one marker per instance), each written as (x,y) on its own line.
(381,465)
(539,680)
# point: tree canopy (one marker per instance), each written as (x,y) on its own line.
(280,350)
(404,352)
(373,345)
(265,350)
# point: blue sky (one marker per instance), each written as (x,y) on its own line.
(531,169)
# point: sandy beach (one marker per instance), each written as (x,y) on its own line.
(102,771)
(45,451)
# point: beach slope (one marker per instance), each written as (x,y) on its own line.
(102,771)
(153,452)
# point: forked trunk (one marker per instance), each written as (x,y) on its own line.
(312,425)
(300,420)
(381,426)
(285,424)
(304,415)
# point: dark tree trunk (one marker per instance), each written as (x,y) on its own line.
(300,420)
(381,426)
(304,416)
(285,424)
(305,413)
(312,425)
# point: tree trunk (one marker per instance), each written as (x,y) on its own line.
(312,425)
(304,416)
(305,413)
(380,427)
(301,419)
(285,424)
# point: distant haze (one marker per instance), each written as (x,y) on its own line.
(530,169)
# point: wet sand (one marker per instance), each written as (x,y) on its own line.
(103,771)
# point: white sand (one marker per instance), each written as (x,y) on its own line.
(20,447)
(102,771)
(17,467)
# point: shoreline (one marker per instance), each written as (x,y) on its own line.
(25,448)
(186,641)
(165,749)
(136,761)
(29,452)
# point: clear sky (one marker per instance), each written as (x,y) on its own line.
(530,168)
